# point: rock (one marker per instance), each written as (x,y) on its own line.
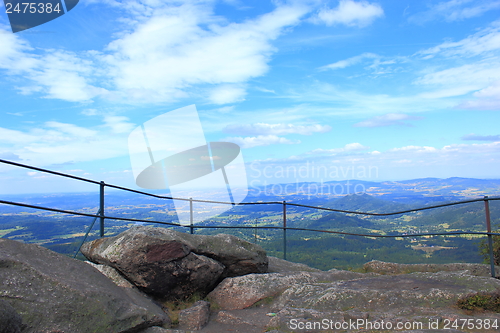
(112,274)
(277,265)
(381,267)
(343,296)
(225,317)
(195,317)
(10,320)
(239,256)
(54,293)
(243,291)
(388,292)
(172,264)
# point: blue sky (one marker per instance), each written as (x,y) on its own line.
(372,90)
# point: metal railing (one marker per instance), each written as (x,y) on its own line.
(102,217)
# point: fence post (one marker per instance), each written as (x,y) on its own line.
(101,207)
(490,237)
(191,215)
(284,230)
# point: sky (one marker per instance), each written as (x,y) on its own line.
(311,90)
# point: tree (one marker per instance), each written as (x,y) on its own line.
(485,251)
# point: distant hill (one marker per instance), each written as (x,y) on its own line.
(340,222)
(461,217)
(365,203)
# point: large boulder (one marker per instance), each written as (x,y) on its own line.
(172,264)
(244,291)
(54,293)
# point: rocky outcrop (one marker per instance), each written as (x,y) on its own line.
(54,293)
(243,291)
(297,299)
(174,265)
(42,291)
(381,267)
(10,320)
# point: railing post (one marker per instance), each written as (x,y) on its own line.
(490,237)
(284,230)
(191,215)
(101,207)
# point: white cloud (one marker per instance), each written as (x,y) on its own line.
(475,137)
(350,147)
(90,112)
(350,13)
(389,119)
(54,73)
(147,63)
(486,104)
(71,129)
(455,10)
(276,129)
(478,78)
(226,94)
(482,42)
(349,62)
(491,91)
(479,75)
(14,53)
(118,124)
(56,143)
(63,76)
(260,140)
(462,160)
(151,63)
(416,149)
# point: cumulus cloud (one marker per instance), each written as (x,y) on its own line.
(276,129)
(147,63)
(54,73)
(260,140)
(350,13)
(152,63)
(390,119)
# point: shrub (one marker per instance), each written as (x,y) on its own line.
(484,250)
(481,301)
